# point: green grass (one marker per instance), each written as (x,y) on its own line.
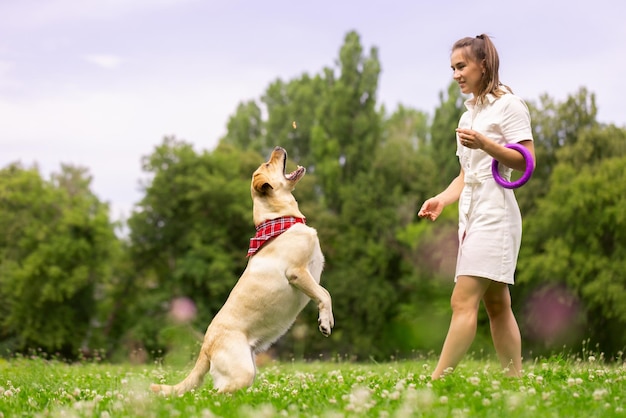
(555,387)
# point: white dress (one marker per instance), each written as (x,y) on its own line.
(490,223)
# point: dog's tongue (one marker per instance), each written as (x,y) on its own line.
(297,172)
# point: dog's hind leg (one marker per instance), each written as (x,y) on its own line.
(301,278)
(192,381)
(232,365)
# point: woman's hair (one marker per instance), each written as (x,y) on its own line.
(481,50)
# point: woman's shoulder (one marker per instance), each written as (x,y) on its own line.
(507,95)
(510,100)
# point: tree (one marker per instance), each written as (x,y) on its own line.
(56,244)
(291,109)
(442,132)
(348,126)
(556,125)
(365,252)
(576,236)
(245,127)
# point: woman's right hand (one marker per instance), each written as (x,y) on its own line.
(431,208)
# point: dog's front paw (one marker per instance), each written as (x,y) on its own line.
(326,323)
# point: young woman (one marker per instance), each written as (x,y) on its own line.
(490,223)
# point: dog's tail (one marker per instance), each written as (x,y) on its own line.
(192,381)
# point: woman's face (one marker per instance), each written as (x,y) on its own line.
(467,72)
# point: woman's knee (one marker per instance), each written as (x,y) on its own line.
(461,304)
(497,301)
(467,294)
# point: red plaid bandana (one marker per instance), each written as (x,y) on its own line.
(271,229)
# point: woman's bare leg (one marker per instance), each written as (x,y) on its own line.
(504,329)
(465,300)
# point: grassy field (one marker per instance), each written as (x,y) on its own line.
(555,387)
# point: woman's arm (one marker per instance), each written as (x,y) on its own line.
(510,157)
(433,207)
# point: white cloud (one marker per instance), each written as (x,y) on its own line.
(106,61)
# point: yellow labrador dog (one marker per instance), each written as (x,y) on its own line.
(282,275)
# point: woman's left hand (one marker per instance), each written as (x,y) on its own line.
(470,138)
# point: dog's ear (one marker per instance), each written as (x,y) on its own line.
(261,183)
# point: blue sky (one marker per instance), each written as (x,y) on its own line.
(99,83)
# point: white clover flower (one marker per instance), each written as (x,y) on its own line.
(443,400)
(486,402)
(8,393)
(474,380)
(598,394)
(592,359)
(424,398)
(514,401)
(359,400)
(571,381)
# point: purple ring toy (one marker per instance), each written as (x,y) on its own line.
(527,173)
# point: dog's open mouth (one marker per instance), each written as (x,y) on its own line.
(296,174)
